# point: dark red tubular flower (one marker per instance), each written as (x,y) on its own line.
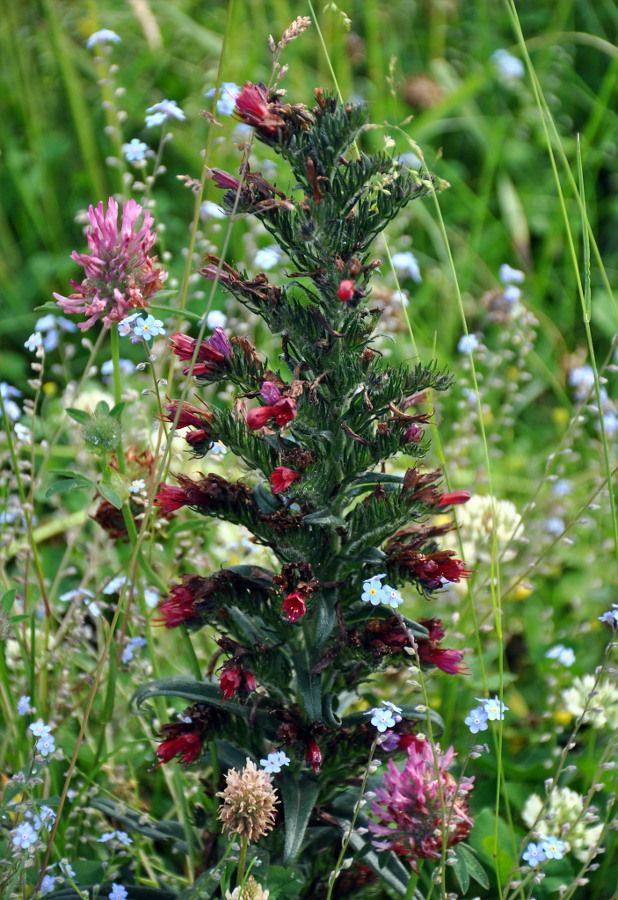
(430,652)
(229,682)
(455,498)
(284,410)
(187,746)
(170,498)
(281,478)
(179,608)
(190,415)
(210,273)
(294,606)
(252,107)
(232,678)
(258,417)
(345,290)
(223,180)
(413,434)
(250,682)
(313,754)
(210,355)
(200,440)
(436,568)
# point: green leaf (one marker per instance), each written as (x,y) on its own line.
(102,408)
(468,865)
(283,884)
(309,686)
(503,861)
(79,415)
(323,517)
(74,483)
(116,411)
(265,499)
(8,599)
(110,495)
(299,793)
(460,871)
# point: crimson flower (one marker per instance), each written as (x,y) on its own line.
(436,568)
(281,478)
(430,652)
(190,415)
(416,804)
(187,746)
(179,608)
(455,498)
(294,606)
(211,353)
(231,679)
(253,108)
(283,411)
(119,274)
(345,290)
(313,754)
(170,498)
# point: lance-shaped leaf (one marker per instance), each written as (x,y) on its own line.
(299,793)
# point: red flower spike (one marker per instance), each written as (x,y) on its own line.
(346,290)
(187,746)
(313,754)
(454,499)
(281,478)
(197,437)
(170,498)
(294,606)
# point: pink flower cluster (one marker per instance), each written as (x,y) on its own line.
(119,274)
(408,810)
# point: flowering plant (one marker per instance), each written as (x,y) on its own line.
(298,639)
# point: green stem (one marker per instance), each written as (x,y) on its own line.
(242,860)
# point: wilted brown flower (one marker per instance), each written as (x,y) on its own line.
(249,802)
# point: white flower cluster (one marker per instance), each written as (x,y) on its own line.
(564,816)
(477,521)
(603,706)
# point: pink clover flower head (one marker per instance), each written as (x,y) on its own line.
(407,813)
(119,274)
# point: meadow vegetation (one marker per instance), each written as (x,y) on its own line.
(145,647)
